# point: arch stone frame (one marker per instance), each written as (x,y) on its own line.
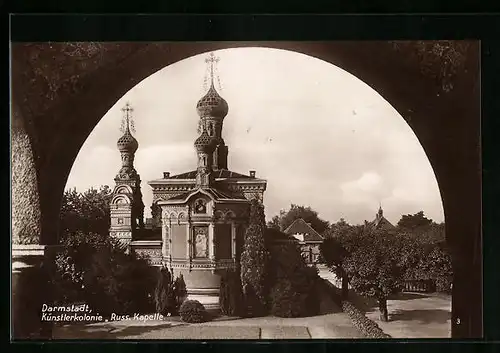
(62,90)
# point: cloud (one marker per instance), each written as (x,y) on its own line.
(364,190)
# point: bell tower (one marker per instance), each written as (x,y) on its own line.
(127,207)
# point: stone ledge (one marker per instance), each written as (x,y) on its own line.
(33,249)
(146,243)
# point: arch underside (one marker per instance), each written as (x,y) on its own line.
(62,104)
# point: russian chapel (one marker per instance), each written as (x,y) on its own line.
(199,216)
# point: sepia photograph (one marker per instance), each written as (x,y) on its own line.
(246,190)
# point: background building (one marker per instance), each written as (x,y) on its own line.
(309,240)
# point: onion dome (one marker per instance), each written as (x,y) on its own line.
(127,143)
(204,143)
(212,105)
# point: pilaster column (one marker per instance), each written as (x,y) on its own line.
(165,238)
(189,241)
(211,241)
(233,240)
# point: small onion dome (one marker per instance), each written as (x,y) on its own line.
(127,143)
(204,143)
(212,105)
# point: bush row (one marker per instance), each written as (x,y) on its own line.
(366,326)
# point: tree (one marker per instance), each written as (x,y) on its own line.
(434,264)
(254,261)
(374,265)
(86,212)
(433,234)
(414,222)
(286,218)
(333,253)
(337,229)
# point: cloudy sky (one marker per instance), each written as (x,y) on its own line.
(320,136)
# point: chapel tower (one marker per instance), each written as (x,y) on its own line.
(127,207)
(212,109)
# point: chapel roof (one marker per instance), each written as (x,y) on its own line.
(218,174)
(215,194)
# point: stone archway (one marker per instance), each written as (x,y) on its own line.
(62,90)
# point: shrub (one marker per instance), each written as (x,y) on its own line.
(72,262)
(286,301)
(117,282)
(95,269)
(366,326)
(192,311)
(231,294)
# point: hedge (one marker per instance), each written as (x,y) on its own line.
(366,326)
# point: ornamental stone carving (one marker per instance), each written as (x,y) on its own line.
(154,256)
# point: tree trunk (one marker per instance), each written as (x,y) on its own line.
(382,306)
(345,286)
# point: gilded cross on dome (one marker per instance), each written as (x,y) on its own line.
(127,122)
(212,60)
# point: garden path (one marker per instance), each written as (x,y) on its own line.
(331,324)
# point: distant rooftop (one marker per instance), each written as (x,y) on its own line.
(304,229)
